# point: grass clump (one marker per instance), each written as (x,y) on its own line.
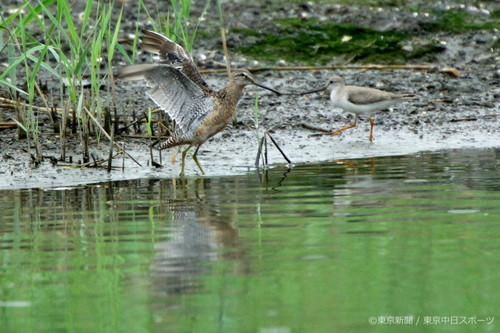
(45,42)
(75,46)
(179,24)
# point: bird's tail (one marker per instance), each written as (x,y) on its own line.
(173,141)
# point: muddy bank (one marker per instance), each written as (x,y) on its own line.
(449,112)
(463,117)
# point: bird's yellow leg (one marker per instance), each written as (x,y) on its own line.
(196,160)
(345,128)
(183,160)
(372,123)
(174,155)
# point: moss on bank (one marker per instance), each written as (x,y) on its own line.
(320,42)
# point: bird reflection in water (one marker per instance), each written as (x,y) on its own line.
(199,231)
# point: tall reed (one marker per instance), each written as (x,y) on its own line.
(70,52)
(45,39)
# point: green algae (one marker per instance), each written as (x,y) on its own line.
(461,21)
(321,42)
(313,41)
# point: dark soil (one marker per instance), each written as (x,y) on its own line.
(450,111)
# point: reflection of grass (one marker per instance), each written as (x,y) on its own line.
(318,42)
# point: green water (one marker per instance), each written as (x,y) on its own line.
(411,243)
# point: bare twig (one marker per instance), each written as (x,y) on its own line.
(107,136)
(315,128)
(259,152)
(8,124)
(13,104)
(277,146)
(262,151)
(315,68)
(111,142)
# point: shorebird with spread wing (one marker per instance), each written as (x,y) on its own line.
(198,111)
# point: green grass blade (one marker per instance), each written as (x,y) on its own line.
(33,13)
(29,55)
(20,125)
(86,17)
(62,5)
(149,124)
(13,87)
(124,53)
(114,39)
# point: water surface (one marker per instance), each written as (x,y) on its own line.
(407,243)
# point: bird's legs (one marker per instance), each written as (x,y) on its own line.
(347,127)
(372,123)
(183,160)
(196,160)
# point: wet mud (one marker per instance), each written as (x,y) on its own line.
(448,112)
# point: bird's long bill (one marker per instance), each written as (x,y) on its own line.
(267,88)
(311,91)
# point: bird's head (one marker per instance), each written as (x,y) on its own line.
(334,82)
(242,77)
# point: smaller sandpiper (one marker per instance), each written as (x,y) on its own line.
(360,100)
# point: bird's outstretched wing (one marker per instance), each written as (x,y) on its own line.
(172,53)
(184,101)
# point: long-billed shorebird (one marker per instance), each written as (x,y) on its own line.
(360,100)
(199,112)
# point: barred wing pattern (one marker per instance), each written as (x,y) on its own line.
(182,99)
(168,50)
(172,53)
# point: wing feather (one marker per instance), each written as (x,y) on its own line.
(365,95)
(183,100)
(171,53)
